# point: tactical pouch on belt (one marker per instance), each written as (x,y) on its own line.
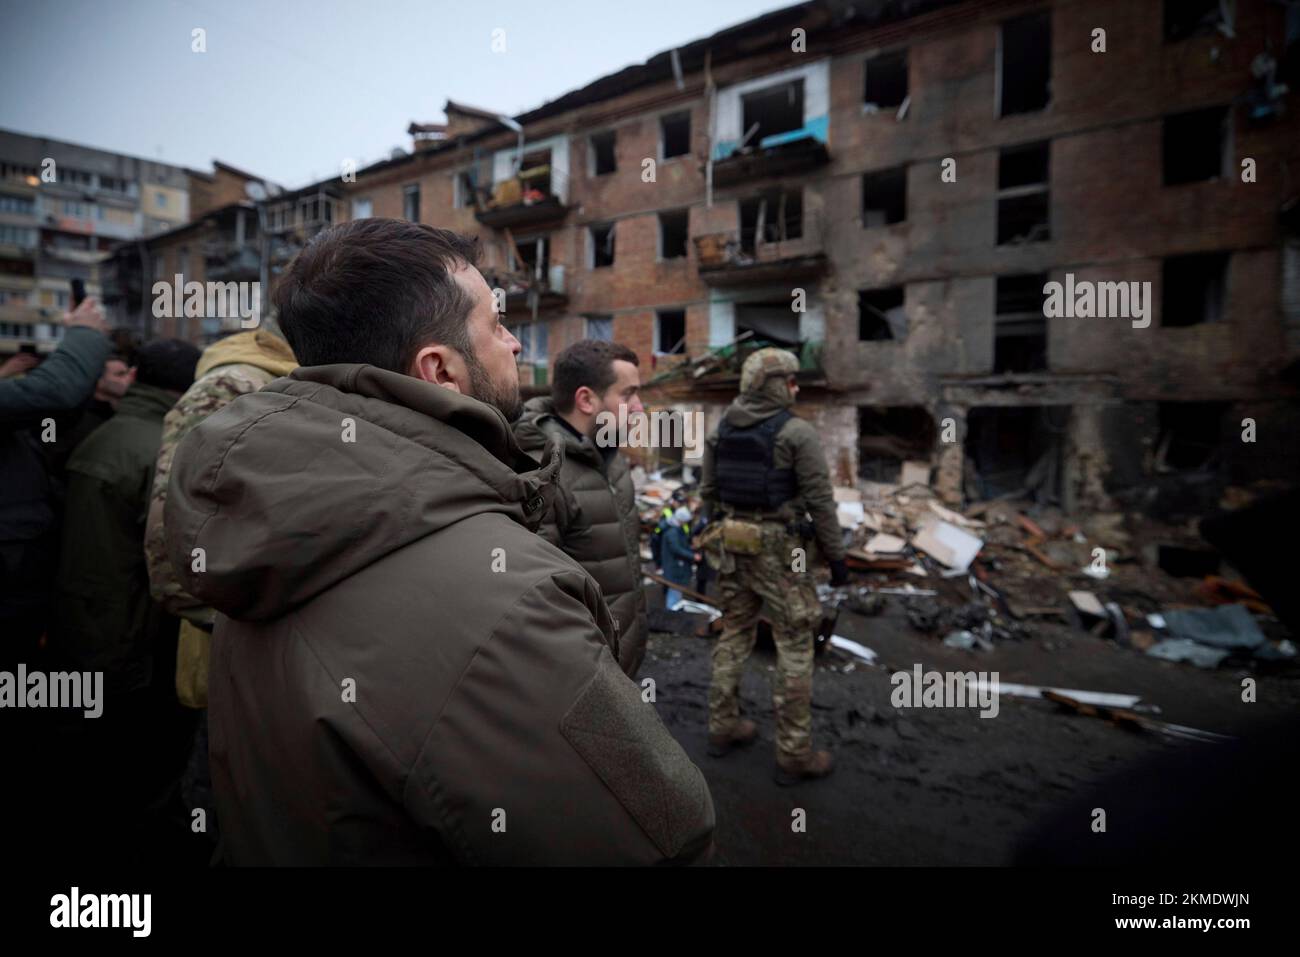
(742,538)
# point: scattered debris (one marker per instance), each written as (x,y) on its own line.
(948,544)
(853,648)
(1184,649)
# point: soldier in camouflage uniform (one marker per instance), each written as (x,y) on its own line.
(229,368)
(764,475)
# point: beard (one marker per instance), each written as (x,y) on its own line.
(503,397)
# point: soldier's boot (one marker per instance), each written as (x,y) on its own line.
(744,732)
(816,765)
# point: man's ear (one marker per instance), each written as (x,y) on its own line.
(584,400)
(436,364)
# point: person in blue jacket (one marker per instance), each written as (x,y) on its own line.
(679,559)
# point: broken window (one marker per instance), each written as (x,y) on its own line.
(602,153)
(1015,450)
(884,197)
(888,436)
(886,82)
(1023,195)
(672,234)
(880,315)
(675,134)
(1192,289)
(777,109)
(1025,61)
(411,202)
(771,217)
(1019,327)
(534,257)
(1195,145)
(670,331)
(600,328)
(602,245)
(773,322)
(1186,18)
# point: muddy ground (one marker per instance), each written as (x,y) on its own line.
(940,786)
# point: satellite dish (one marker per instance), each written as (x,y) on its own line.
(255,191)
(271,189)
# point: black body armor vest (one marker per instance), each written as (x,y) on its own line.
(744,464)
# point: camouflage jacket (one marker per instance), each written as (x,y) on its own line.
(214,389)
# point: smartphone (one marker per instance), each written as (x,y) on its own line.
(27,347)
(78,292)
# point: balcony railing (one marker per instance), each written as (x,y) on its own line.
(531,198)
(766,252)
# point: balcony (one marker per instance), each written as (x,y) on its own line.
(225,262)
(527,292)
(533,198)
(784,154)
(764,252)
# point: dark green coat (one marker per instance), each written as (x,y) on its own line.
(105,619)
(594,520)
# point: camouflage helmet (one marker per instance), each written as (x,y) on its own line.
(763,363)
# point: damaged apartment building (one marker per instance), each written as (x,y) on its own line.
(887,188)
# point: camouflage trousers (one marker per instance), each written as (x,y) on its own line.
(794,611)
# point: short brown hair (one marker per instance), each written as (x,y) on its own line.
(375,291)
(588,362)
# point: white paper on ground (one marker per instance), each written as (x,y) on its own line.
(853,648)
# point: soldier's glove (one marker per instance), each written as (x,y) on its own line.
(839,573)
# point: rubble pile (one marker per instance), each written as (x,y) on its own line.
(988,573)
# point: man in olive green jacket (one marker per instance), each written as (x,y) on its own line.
(593,517)
(104,619)
(403,671)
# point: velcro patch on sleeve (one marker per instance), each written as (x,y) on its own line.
(623,741)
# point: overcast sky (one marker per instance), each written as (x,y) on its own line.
(288,89)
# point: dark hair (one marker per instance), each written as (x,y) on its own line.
(375,291)
(588,362)
(166,364)
(125,343)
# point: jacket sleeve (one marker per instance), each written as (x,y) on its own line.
(546,753)
(814,480)
(192,408)
(677,546)
(708,475)
(63,381)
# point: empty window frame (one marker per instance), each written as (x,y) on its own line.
(533,260)
(886,80)
(776,109)
(1192,289)
(1019,327)
(673,230)
(675,134)
(603,160)
(411,202)
(602,245)
(1025,64)
(881,316)
(670,331)
(1023,194)
(1195,145)
(771,217)
(884,197)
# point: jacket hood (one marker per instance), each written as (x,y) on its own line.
(145,402)
(540,423)
(256,347)
(292,489)
(758,404)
